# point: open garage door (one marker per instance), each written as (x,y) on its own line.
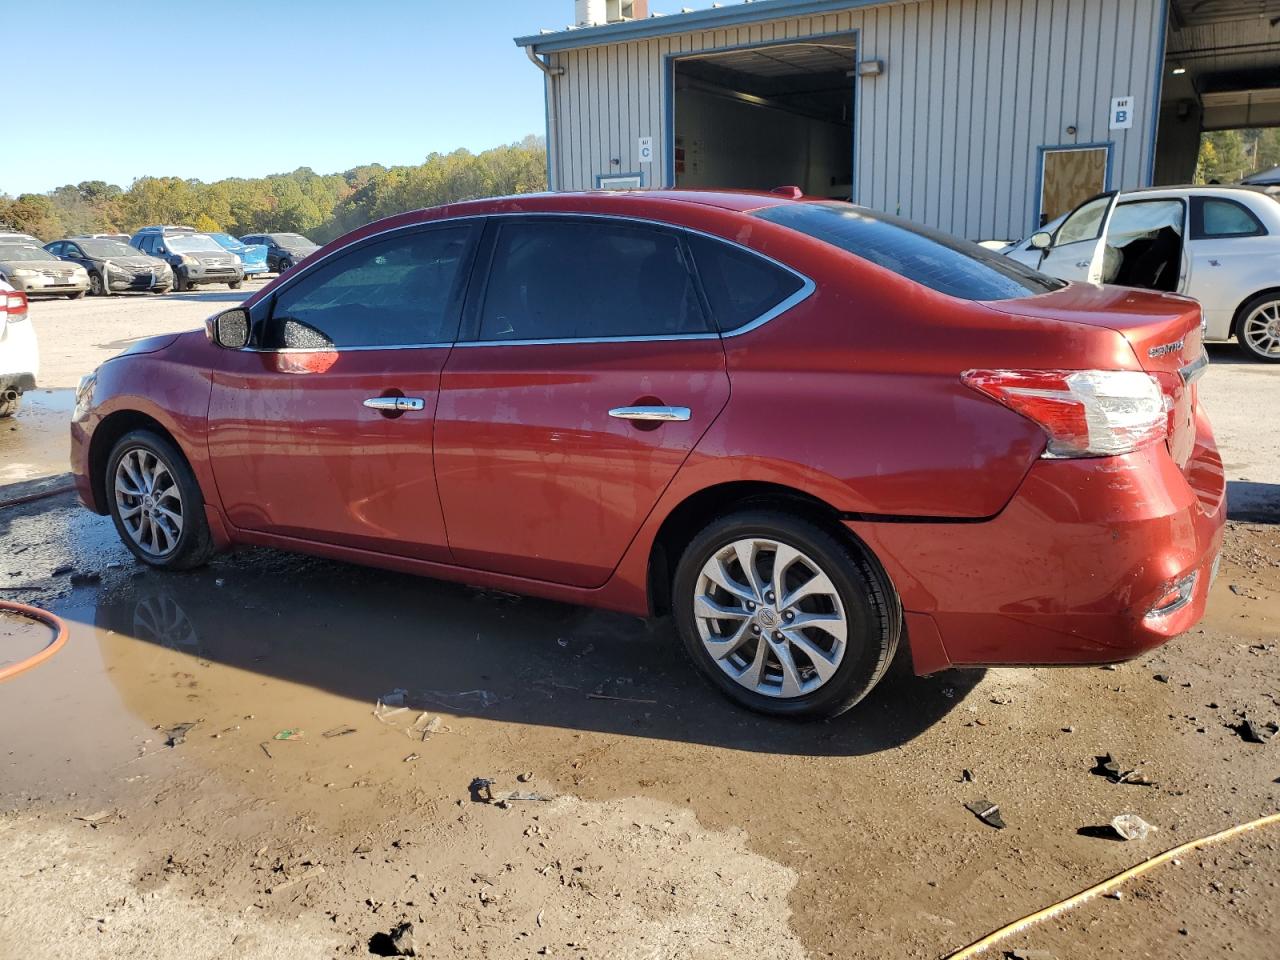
(1221,72)
(761,117)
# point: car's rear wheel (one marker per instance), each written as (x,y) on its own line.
(1259,328)
(782,616)
(155,502)
(96,286)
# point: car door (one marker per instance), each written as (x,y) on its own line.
(1078,248)
(322,429)
(587,372)
(73,253)
(1222,250)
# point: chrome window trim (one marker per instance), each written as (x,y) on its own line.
(807,288)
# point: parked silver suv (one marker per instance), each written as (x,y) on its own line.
(195,258)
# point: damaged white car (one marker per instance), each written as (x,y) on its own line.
(19,355)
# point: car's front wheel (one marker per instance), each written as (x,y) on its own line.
(9,408)
(96,287)
(79,295)
(234,285)
(782,616)
(180,284)
(155,502)
(1259,328)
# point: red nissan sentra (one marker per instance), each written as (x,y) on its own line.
(807,430)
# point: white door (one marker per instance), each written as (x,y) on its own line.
(1077,249)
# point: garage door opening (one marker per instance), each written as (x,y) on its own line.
(762,117)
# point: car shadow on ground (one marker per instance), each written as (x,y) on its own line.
(1253,502)
(363,633)
(1230,353)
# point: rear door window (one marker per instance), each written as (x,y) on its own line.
(1219,218)
(585,279)
(398,291)
(740,286)
(928,257)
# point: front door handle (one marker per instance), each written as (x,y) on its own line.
(661,414)
(398,404)
(1083,264)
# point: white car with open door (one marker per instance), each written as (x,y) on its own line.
(19,356)
(1220,245)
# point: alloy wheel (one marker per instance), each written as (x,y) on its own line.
(770,617)
(148,502)
(1262,329)
(95,284)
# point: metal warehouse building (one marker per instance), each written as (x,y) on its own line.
(980,117)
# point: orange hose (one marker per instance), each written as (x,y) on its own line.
(41,616)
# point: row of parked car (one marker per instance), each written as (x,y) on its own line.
(156,259)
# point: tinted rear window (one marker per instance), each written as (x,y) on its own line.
(944,263)
(740,286)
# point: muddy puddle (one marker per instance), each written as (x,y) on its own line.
(35,443)
(292,751)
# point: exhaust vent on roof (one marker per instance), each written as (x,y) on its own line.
(591,13)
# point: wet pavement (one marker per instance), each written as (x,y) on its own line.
(851,836)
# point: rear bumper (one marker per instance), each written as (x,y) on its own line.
(1070,570)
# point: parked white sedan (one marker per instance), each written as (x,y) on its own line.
(1220,245)
(19,355)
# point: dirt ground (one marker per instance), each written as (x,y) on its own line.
(298,817)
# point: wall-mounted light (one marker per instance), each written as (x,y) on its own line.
(1179,71)
(870,68)
(1071,131)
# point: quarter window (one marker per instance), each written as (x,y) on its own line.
(401,291)
(1215,217)
(740,286)
(588,279)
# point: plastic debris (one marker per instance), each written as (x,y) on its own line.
(102,816)
(1252,731)
(402,940)
(987,812)
(338,731)
(424,727)
(1130,826)
(177,734)
(1109,767)
(524,777)
(288,735)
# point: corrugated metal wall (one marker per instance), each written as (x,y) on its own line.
(947,136)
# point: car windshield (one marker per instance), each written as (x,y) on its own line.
(293,241)
(106,248)
(225,239)
(191,243)
(14,252)
(934,259)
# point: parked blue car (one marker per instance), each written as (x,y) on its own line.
(253,255)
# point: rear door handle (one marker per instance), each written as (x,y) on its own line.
(662,414)
(395,403)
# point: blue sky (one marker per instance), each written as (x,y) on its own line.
(250,87)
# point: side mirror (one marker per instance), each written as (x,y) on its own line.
(229,329)
(1042,240)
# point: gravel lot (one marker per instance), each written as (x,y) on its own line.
(673,826)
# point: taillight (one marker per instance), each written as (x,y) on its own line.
(15,305)
(1086,413)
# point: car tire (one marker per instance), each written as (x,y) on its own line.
(285,267)
(169,529)
(234,284)
(855,599)
(1258,327)
(9,408)
(96,287)
(78,296)
(180,284)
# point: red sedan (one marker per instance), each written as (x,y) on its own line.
(809,431)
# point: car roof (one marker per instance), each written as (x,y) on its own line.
(1207,189)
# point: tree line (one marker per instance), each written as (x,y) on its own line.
(1231,155)
(320,206)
